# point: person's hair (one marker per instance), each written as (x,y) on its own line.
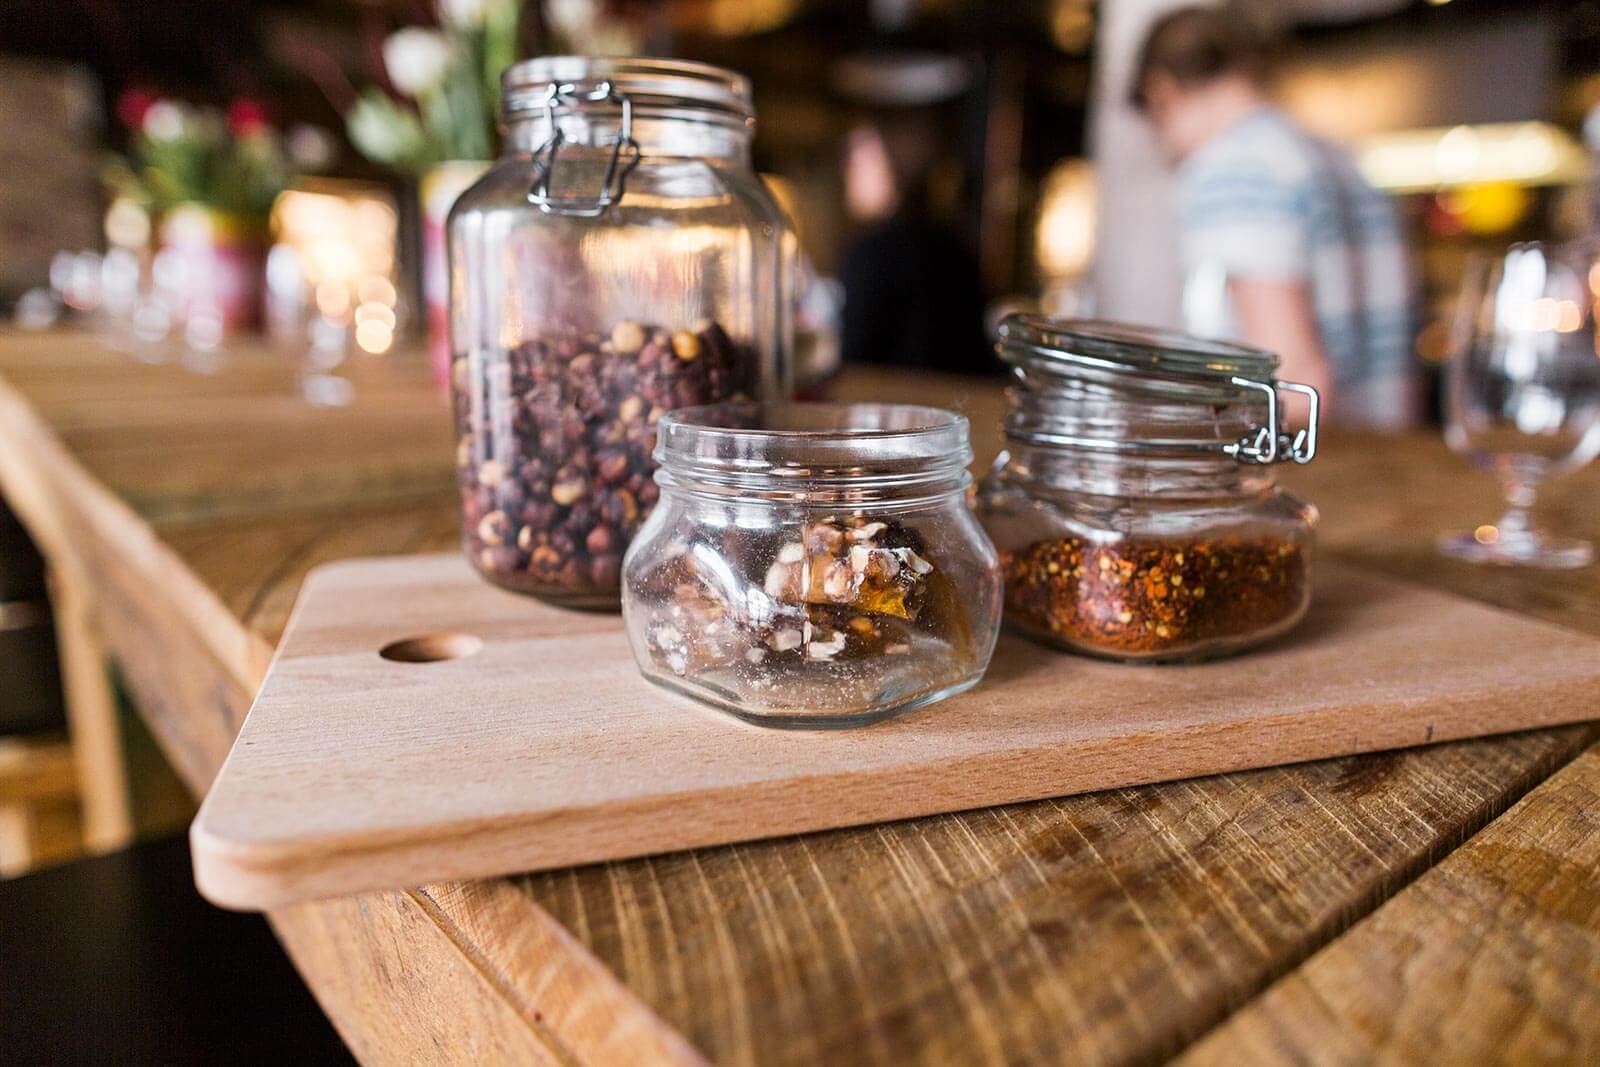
(1195,45)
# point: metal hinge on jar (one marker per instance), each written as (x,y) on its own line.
(1267,444)
(624,152)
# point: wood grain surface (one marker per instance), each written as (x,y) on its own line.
(1491,956)
(545,747)
(1116,927)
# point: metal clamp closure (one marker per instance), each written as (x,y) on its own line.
(624,152)
(1266,444)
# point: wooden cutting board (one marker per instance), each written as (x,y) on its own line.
(535,743)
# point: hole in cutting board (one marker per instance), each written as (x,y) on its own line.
(431,648)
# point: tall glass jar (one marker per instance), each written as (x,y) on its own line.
(813,565)
(620,260)
(1135,509)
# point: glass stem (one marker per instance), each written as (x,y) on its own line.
(1519,495)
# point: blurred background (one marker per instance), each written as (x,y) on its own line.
(944,160)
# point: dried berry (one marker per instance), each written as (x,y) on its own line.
(556,444)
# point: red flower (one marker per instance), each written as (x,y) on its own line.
(132,105)
(246,116)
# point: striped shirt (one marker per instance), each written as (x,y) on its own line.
(1265,199)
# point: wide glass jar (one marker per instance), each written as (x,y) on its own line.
(620,260)
(813,565)
(1134,508)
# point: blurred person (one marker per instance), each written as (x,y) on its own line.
(1303,256)
(912,292)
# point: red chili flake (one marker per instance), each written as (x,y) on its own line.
(1155,598)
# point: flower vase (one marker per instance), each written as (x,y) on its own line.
(438,190)
(218,259)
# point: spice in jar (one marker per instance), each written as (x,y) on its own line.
(554,461)
(832,598)
(1151,598)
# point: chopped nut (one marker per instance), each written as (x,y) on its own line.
(833,598)
(783,581)
(837,583)
(786,640)
(489,473)
(823,538)
(825,647)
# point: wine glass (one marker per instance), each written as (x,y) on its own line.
(1522,391)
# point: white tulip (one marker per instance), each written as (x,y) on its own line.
(375,133)
(467,14)
(573,17)
(416,59)
(163,121)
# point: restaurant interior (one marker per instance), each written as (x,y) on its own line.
(269,303)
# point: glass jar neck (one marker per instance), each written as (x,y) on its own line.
(1111,433)
(686,135)
(1047,469)
(825,455)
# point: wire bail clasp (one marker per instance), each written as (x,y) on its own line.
(1266,444)
(624,152)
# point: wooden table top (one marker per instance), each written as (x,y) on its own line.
(1433,902)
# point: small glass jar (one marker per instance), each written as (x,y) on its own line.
(1135,509)
(621,259)
(813,565)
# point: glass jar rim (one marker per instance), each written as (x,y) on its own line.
(868,447)
(657,88)
(1066,345)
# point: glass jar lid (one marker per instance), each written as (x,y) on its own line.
(653,87)
(598,98)
(1068,343)
(1165,363)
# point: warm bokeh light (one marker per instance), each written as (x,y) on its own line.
(373,311)
(343,238)
(1486,535)
(1547,314)
(374,336)
(1064,241)
(375,289)
(741,18)
(1072,25)
(127,224)
(1526,153)
(333,300)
